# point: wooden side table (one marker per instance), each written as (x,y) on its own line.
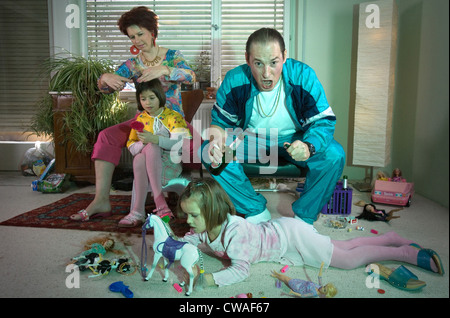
(68,160)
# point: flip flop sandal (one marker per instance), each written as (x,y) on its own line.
(423,260)
(119,287)
(164,213)
(424,257)
(401,277)
(133,219)
(84,216)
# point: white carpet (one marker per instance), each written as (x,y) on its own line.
(33,260)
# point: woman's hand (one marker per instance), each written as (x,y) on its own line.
(116,82)
(147,137)
(153,72)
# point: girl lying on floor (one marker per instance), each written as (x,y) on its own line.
(212,219)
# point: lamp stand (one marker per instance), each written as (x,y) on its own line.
(365,186)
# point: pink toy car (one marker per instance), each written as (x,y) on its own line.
(396,193)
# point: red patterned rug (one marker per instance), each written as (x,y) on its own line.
(57,215)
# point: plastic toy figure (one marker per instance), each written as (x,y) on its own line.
(304,288)
(397,176)
(382,176)
(166,247)
(371,213)
(105,266)
(101,244)
(120,287)
(84,261)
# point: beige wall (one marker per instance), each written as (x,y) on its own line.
(420,136)
(430,155)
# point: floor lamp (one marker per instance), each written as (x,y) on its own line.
(373,83)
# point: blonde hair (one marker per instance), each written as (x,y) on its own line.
(102,239)
(213,201)
(330,290)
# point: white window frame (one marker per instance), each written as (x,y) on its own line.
(216,29)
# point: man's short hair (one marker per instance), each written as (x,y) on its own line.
(265,35)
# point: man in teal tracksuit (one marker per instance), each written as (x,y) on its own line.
(280,107)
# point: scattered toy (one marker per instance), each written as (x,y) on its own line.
(277,283)
(166,246)
(119,287)
(351,219)
(336,223)
(178,288)
(303,288)
(371,213)
(105,266)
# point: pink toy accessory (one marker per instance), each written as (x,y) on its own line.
(138,126)
(178,288)
(395,193)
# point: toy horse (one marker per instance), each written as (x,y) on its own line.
(172,250)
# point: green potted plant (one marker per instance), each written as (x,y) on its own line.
(202,69)
(90,110)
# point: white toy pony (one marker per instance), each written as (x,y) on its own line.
(171,249)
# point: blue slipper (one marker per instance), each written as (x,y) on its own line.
(119,287)
(424,257)
(401,277)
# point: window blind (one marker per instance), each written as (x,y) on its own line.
(188,26)
(240,19)
(24,45)
(183,25)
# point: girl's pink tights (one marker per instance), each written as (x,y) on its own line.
(147,167)
(360,251)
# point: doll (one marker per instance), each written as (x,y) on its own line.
(85,261)
(101,243)
(105,266)
(304,288)
(371,213)
(382,176)
(397,175)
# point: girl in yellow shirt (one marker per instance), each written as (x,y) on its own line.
(152,139)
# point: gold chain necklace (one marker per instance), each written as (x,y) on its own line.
(155,61)
(275,107)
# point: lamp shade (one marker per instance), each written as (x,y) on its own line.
(374,83)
